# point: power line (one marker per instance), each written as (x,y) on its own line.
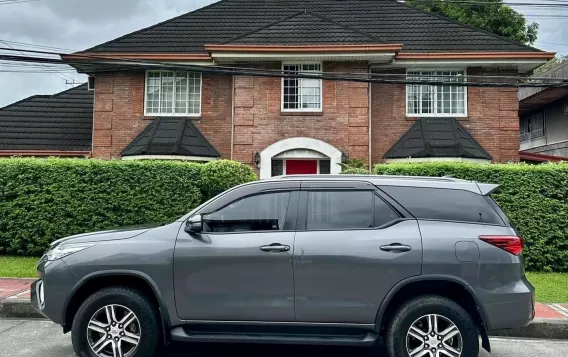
(7,2)
(52,71)
(37,46)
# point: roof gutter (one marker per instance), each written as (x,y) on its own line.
(45,153)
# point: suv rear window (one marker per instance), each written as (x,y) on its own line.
(444,204)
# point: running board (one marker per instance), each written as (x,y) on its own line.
(181,334)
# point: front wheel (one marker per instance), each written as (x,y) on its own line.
(115,322)
(432,326)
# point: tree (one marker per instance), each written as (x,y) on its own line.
(490,15)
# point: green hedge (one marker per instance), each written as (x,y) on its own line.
(44,200)
(535,197)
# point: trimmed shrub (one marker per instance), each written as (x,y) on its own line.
(219,175)
(355,171)
(44,200)
(535,197)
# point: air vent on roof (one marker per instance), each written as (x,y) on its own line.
(91,81)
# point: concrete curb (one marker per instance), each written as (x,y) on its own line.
(18,309)
(539,328)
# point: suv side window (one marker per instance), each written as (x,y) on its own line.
(262,212)
(346,210)
(444,204)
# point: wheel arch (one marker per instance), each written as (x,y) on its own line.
(414,286)
(130,278)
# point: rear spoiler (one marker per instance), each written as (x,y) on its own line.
(487,188)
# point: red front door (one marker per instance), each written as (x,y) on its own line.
(301,167)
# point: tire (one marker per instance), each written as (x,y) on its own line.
(123,301)
(448,311)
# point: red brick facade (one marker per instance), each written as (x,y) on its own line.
(259,122)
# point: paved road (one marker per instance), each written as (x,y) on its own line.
(19,338)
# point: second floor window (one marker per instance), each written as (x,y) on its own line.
(173,93)
(436,100)
(301,94)
(532,126)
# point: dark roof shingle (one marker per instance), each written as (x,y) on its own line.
(59,122)
(437,137)
(389,20)
(170,136)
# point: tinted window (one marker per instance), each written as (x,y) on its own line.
(265,212)
(340,209)
(444,204)
(383,213)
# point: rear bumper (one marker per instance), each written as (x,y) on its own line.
(513,306)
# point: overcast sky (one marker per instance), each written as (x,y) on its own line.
(80,24)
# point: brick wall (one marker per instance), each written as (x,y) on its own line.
(119,112)
(493,118)
(259,121)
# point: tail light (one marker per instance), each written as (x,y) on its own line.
(511,244)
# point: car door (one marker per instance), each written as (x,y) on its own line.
(239,268)
(353,244)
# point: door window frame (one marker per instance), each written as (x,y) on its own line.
(289,220)
(302,218)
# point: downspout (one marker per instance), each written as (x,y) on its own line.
(232,116)
(370,117)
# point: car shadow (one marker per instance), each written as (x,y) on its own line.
(257,350)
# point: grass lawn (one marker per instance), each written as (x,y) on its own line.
(18,267)
(550,287)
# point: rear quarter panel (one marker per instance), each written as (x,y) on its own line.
(496,276)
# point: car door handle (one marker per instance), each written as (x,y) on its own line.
(275,248)
(396,247)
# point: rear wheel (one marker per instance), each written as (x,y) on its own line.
(432,326)
(116,322)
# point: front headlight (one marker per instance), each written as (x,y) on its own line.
(63,250)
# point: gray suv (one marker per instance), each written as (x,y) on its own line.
(428,265)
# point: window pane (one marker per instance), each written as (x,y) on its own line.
(277,167)
(383,213)
(265,212)
(325,167)
(340,210)
(301,93)
(432,99)
(442,204)
(173,92)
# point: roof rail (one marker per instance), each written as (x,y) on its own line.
(373,177)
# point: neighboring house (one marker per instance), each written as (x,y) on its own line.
(49,125)
(301,125)
(543,115)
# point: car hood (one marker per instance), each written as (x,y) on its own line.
(121,233)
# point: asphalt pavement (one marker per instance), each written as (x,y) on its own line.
(19,338)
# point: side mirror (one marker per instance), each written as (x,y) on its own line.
(194,224)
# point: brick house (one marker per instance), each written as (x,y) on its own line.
(148,105)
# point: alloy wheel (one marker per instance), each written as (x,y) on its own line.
(113,331)
(434,336)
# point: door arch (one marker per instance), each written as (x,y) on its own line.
(301,143)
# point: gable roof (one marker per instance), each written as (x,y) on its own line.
(59,122)
(437,137)
(171,136)
(304,28)
(278,21)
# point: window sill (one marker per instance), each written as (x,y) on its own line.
(300,113)
(150,117)
(436,116)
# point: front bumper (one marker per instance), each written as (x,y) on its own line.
(50,293)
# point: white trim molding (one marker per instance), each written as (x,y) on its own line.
(169,157)
(281,146)
(438,159)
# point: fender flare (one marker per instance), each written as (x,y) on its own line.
(162,308)
(434,277)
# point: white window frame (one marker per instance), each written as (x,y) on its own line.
(146,82)
(438,115)
(300,63)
